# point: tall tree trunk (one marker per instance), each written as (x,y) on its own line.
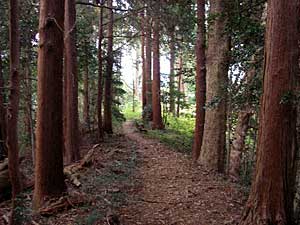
(86,99)
(172,71)
(148,66)
(200,80)
(271,197)
(49,178)
(28,108)
(214,137)
(3,147)
(144,79)
(109,73)
(179,85)
(156,105)
(72,153)
(13,108)
(100,78)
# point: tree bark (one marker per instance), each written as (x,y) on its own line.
(156,105)
(3,147)
(144,79)
(147,113)
(109,73)
(238,144)
(214,137)
(100,78)
(200,80)
(172,71)
(72,153)
(13,109)
(86,99)
(271,197)
(49,178)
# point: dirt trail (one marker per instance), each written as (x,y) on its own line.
(171,191)
(142,182)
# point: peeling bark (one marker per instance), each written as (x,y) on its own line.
(71,134)
(156,105)
(49,178)
(214,137)
(200,80)
(271,197)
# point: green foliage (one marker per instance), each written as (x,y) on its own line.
(178,133)
(130,114)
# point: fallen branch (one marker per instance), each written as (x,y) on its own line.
(64,203)
(72,171)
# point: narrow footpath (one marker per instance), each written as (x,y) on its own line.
(172,191)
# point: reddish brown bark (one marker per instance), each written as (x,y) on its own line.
(71,135)
(271,197)
(13,108)
(172,71)
(200,80)
(148,61)
(100,78)
(49,178)
(3,147)
(144,79)
(214,137)
(109,73)
(156,105)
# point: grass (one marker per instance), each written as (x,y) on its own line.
(130,115)
(178,133)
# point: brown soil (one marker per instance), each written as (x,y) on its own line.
(140,181)
(175,192)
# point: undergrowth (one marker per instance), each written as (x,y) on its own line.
(178,133)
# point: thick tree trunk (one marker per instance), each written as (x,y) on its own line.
(214,137)
(49,178)
(3,147)
(144,79)
(13,108)
(71,135)
(100,78)
(86,99)
(200,80)
(271,197)
(109,73)
(156,105)
(172,71)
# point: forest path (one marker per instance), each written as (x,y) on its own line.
(172,191)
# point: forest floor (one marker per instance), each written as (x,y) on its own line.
(135,180)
